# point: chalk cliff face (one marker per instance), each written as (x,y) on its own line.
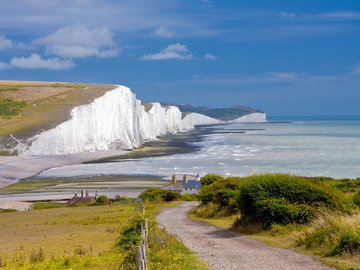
(116,119)
(251,118)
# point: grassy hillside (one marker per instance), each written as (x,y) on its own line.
(29,107)
(84,238)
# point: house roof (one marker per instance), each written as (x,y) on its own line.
(193,184)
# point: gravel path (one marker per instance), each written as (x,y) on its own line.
(223,249)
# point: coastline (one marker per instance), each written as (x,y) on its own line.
(14,168)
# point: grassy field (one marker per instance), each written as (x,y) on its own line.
(83,238)
(29,107)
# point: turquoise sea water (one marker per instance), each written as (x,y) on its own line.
(325,146)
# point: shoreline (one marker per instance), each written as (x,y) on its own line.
(14,168)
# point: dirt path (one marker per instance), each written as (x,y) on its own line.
(223,249)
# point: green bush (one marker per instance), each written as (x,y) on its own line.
(189,197)
(130,234)
(9,107)
(223,193)
(159,195)
(129,238)
(209,210)
(277,198)
(357,199)
(210,178)
(349,243)
(102,200)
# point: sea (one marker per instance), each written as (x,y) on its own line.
(308,146)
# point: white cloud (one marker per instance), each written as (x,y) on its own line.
(174,51)
(5,43)
(79,42)
(164,32)
(209,56)
(35,61)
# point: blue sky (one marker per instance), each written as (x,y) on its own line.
(284,57)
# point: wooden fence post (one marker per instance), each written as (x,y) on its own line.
(139,258)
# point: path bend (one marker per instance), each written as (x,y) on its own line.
(223,249)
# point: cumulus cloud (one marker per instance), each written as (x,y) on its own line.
(5,43)
(164,32)
(209,56)
(174,51)
(35,61)
(80,42)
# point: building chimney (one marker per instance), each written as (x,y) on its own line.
(82,193)
(96,194)
(173,178)
(87,194)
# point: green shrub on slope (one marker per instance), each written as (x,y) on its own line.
(159,195)
(9,107)
(276,198)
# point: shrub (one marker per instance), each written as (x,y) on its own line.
(223,193)
(349,242)
(209,210)
(332,234)
(129,238)
(130,234)
(102,200)
(119,198)
(276,198)
(357,199)
(189,197)
(160,195)
(9,107)
(210,178)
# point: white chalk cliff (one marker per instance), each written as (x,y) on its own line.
(115,120)
(250,118)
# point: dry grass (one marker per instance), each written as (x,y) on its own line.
(84,238)
(62,234)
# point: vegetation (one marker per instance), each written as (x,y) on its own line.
(318,214)
(7,210)
(86,238)
(10,107)
(282,199)
(46,205)
(159,195)
(102,200)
